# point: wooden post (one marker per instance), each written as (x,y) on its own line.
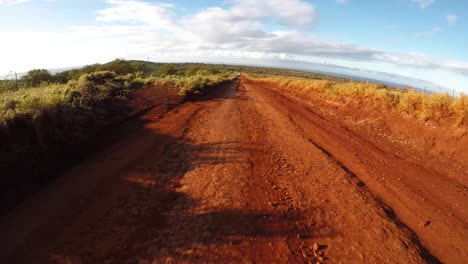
(16,80)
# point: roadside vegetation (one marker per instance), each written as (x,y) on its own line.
(45,119)
(421,105)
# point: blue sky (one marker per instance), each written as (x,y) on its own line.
(420,39)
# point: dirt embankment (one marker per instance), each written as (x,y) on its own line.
(417,168)
(243,175)
(24,174)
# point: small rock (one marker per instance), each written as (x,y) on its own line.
(315,246)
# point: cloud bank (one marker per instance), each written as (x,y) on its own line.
(12,2)
(424,3)
(240,31)
(451,19)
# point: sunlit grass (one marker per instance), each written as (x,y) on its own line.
(192,84)
(31,101)
(87,92)
(421,105)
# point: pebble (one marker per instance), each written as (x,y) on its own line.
(315,246)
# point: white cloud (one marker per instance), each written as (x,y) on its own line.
(293,13)
(424,3)
(451,19)
(12,2)
(343,1)
(245,14)
(432,32)
(239,30)
(154,15)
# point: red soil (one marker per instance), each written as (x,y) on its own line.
(246,174)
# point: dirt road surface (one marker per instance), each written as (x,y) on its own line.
(244,175)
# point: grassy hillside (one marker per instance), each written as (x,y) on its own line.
(144,69)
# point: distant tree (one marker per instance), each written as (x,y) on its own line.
(167,69)
(118,66)
(62,77)
(74,74)
(141,67)
(37,76)
(192,70)
(6,85)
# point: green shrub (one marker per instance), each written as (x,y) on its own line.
(136,84)
(37,76)
(167,70)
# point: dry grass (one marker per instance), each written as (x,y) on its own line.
(424,106)
(91,90)
(193,84)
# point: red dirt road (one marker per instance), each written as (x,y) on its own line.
(245,175)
